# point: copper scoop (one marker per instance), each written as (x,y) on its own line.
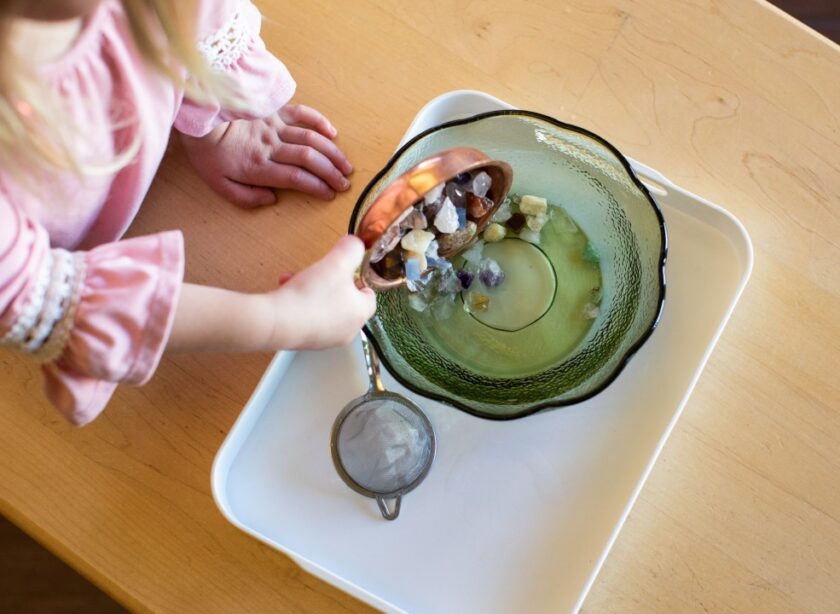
(397,201)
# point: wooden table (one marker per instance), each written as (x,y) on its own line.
(732,100)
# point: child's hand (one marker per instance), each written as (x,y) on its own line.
(317,308)
(245,161)
(321,306)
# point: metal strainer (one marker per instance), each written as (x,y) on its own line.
(382,444)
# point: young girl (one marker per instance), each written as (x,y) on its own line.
(89,90)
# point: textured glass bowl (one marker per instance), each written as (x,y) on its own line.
(596,186)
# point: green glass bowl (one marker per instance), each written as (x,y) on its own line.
(596,186)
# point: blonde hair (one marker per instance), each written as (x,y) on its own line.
(34,135)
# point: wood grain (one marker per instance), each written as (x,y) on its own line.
(732,100)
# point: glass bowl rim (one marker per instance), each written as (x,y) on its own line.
(628,354)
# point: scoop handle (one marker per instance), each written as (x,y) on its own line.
(372,362)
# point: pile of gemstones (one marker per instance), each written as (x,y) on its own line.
(446,221)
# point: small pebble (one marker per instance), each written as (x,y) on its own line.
(533,205)
(462,217)
(415,264)
(516,222)
(479,302)
(438,263)
(457,195)
(466,278)
(473,254)
(494,233)
(432,250)
(386,243)
(449,282)
(430,210)
(481,184)
(478,206)
(536,222)
(415,220)
(446,219)
(491,274)
(503,213)
(412,269)
(530,236)
(417,241)
(459,239)
(433,195)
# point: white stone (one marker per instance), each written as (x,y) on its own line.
(446,220)
(434,194)
(481,184)
(533,205)
(536,222)
(417,241)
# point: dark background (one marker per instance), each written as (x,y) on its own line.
(822,15)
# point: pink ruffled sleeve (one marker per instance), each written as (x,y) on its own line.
(230,42)
(94,319)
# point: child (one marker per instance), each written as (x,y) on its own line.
(89,90)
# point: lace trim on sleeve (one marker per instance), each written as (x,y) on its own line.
(43,326)
(225,46)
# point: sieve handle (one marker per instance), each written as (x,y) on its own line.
(383,507)
(372,362)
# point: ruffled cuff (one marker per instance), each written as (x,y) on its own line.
(258,78)
(120,325)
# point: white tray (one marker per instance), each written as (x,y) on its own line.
(514,516)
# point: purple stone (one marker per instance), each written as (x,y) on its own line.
(491,274)
(466,278)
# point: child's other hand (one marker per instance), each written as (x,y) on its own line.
(245,161)
(321,306)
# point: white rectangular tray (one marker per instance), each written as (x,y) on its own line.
(514,516)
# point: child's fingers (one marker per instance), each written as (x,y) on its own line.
(368,302)
(292,177)
(347,254)
(245,195)
(307,116)
(311,138)
(313,161)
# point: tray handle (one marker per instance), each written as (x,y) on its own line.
(655,181)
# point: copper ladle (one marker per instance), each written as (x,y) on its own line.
(397,201)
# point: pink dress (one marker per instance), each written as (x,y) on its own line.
(94,310)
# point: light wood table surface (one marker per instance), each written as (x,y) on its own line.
(732,100)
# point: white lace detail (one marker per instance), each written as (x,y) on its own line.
(225,46)
(69,292)
(43,326)
(31,311)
